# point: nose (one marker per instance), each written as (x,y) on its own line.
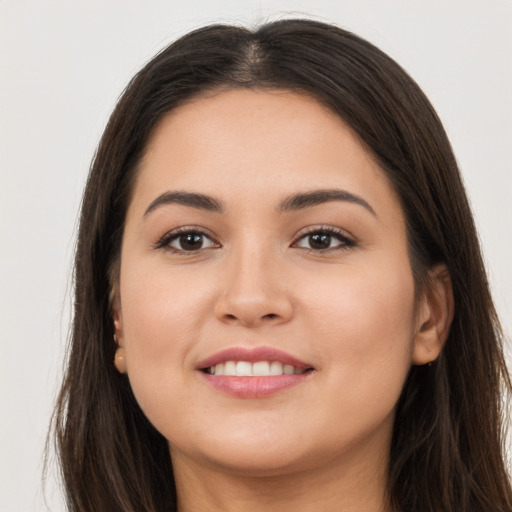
(254,291)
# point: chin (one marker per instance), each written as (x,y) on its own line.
(247,453)
(254,462)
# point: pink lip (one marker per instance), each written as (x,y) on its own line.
(252,355)
(253,387)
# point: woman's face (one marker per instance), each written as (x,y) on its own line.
(262,237)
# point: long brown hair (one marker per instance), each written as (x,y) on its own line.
(447,451)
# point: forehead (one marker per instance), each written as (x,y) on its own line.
(274,118)
(241,144)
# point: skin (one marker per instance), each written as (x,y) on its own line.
(349,310)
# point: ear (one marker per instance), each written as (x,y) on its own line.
(115,305)
(119,359)
(434,316)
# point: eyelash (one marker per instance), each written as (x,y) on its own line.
(168,238)
(346,242)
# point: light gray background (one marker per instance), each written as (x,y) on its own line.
(62,66)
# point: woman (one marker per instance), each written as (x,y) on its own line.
(280,298)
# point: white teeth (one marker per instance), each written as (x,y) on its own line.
(276,368)
(243,369)
(261,369)
(258,369)
(288,369)
(230,368)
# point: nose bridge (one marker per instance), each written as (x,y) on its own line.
(253,291)
(252,272)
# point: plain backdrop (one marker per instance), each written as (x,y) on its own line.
(63,65)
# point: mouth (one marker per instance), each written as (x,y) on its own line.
(253,373)
(257,369)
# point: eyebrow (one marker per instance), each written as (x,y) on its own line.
(316,197)
(291,203)
(194,200)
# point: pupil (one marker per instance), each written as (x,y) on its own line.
(320,241)
(191,242)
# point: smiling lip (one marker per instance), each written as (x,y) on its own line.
(252,356)
(253,387)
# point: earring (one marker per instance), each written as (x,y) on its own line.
(120,361)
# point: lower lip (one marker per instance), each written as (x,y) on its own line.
(254,387)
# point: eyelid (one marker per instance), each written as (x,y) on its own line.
(344,236)
(164,241)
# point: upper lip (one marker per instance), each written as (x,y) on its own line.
(252,355)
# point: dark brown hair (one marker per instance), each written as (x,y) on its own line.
(447,452)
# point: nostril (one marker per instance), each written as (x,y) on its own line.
(270,315)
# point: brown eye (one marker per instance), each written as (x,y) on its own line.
(189,241)
(324,240)
(319,241)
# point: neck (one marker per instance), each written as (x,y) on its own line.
(348,485)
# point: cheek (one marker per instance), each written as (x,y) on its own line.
(162,314)
(160,307)
(367,320)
